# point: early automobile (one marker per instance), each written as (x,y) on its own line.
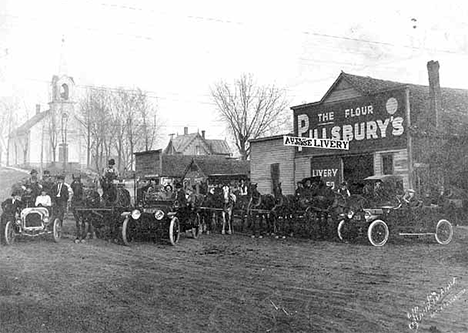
(159,213)
(30,222)
(387,211)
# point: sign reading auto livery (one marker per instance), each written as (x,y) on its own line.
(370,122)
(315,143)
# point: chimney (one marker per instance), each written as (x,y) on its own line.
(185,130)
(203,134)
(434,92)
(38,108)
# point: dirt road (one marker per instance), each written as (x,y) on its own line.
(228,284)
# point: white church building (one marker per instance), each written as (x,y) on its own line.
(51,139)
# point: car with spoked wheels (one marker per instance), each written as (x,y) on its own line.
(159,214)
(388,212)
(31,222)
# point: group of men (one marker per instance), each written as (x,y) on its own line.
(39,192)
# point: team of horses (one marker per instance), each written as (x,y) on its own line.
(90,208)
(307,213)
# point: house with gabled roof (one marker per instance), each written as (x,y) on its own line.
(191,168)
(196,144)
(414,131)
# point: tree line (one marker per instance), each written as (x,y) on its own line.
(117,123)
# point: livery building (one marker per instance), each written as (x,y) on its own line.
(392,128)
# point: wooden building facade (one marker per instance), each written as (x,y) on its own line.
(414,131)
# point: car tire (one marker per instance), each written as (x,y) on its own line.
(444,232)
(8,233)
(378,233)
(174,231)
(57,230)
(127,234)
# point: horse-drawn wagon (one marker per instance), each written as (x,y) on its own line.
(100,214)
(387,211)
(159,213)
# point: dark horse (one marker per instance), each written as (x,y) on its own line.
(113,194)
(285,208)
(317,200)
(261,208)
(82,199)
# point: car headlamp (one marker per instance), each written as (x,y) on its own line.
(136,214)
(367,215)
(46,220)
(159,215)
(350,214)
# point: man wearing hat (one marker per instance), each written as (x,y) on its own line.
(32,188)
(47,182)
(12,206)
(110,172)
(60,196)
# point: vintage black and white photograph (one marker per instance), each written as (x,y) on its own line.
(233,166)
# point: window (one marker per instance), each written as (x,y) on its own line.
(64,92)
(387,164)
(275,174)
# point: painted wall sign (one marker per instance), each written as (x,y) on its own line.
(315,143)
(375,122)
(328,168)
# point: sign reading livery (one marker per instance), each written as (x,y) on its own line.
(315,143)
(368,123)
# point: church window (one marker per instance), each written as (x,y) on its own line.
(64,92)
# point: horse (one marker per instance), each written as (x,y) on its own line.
(317,200)
(285,208)
(80,200)
(113,194)
(261,207)
(218,201)
(229,200)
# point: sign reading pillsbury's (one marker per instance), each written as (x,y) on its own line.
(367,123)
(315,143)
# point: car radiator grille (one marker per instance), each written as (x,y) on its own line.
(33,220)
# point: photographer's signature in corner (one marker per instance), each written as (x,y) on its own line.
(436,302)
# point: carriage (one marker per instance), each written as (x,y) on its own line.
(159,213)
(387,211)
(100,215)
(30,222)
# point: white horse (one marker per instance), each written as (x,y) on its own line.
(229,200)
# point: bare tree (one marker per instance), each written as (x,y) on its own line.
(8,121)
(250,111)
(118,122)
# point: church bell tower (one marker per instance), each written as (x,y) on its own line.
(61,105)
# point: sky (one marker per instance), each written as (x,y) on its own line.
(177,50)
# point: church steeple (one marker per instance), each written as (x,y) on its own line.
(62,70)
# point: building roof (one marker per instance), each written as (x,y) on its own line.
(177,165)
(30,123)
(270,138)
(454,103)
(180,143)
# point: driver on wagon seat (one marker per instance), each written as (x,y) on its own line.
(111,173)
